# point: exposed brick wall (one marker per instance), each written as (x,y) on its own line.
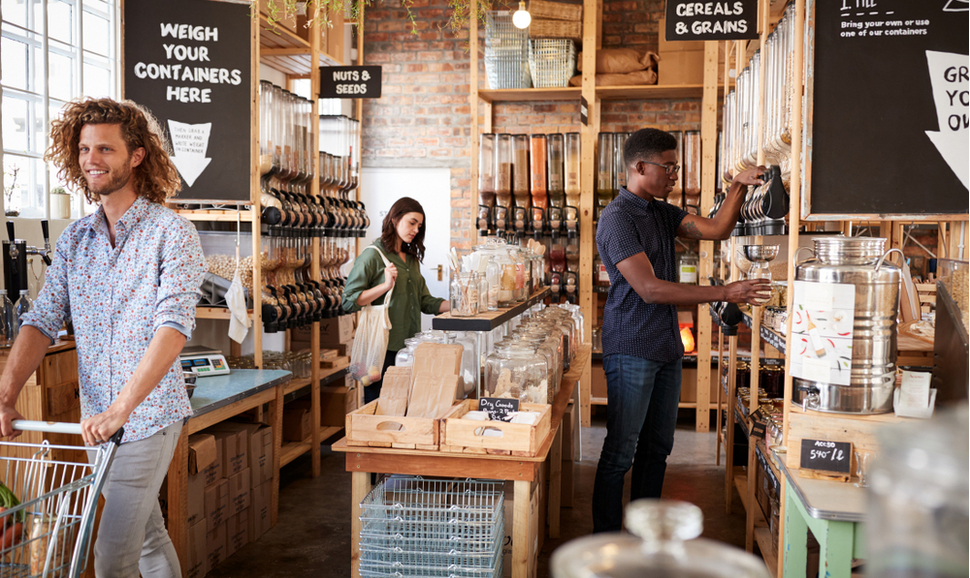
(423,118)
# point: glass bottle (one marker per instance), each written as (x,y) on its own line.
(520,170)
(486,180)
(572,168)
(604,171)
(554,147)
(23,306)
(8,324)
(619,166)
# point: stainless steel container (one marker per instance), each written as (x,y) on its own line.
(861,262)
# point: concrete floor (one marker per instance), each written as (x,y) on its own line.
(312,538)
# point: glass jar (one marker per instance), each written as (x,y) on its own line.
(405,356)
(687,268)
(469,360)
(464,294)
(600,277)
(515,371)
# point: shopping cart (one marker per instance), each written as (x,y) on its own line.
(48,535)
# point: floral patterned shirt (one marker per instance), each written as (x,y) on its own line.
(118,297)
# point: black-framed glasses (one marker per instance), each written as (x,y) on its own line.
(671,169)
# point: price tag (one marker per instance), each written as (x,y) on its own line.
(758,424)
(827,456)
(498,408)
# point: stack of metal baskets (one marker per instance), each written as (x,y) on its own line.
(552,62)
(411,526)
(506,52)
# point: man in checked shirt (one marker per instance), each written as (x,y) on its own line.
(128,276)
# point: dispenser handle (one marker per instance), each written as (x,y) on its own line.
(902,258)
(10,232)
(800,249)
(45,229)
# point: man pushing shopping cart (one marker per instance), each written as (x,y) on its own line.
(128,277)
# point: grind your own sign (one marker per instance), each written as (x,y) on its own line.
(188,62)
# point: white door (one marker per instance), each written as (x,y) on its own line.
(380,187)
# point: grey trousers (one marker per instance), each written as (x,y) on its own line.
(132,537)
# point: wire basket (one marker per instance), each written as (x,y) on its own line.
(506,52)
(552,61)
(418,558)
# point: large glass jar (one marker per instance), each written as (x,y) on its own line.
(464,294)
(519,292)
(469,359)
(405,356)
(515,371)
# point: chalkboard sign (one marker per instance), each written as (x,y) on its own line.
(498,408)
(711,20)
(890,120)
(350,82)
(758,424)
(827,456)
(188,61)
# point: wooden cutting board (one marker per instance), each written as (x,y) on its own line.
(431,395)
(394,391)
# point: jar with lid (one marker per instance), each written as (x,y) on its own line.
(663,541)
(544,393)
(464,294)
(687,268)
(405,357)
(520,293)
(515,371)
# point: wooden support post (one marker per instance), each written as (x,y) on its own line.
(521,542)
(718,396)
(592,12)
(555,484)
(473,103)
(254,189)
(315,250)
(360,487)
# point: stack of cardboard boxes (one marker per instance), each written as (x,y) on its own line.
(229,490)
(336,401)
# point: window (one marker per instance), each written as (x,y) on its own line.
(52,51)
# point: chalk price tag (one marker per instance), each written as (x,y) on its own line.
(350,82)
(758,424)
(498,408)
(826,456)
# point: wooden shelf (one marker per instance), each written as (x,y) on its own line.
(216,216)
(286,51)
(741,485)
(295,384)
(762,536)
(648,92)
(289,451)
(328,431)
(769,336)
(486,321)
(597,401)
(215,313)
(530,94)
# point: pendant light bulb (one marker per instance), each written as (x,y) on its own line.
(521,18)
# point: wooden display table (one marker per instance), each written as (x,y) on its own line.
(217,399)
(834,511)
(362,461)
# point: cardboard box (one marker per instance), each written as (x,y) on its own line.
(197,565)
(217,503)
(296,422)
(283,18)
(215,545)
(213,473)
(202,452)
(598,387)
(259,452)
(335,404)
(234,438)
(195,491)
(239,485)
(237,532)
(333,331)
(259,520)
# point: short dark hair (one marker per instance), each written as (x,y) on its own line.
(389,237)
(647,143)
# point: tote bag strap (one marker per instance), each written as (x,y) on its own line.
(387,298)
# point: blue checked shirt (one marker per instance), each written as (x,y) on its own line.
(118,297)
(630,225)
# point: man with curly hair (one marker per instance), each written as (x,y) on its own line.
(128,276)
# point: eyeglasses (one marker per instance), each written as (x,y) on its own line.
(671,169)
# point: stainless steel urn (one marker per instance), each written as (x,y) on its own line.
(861,262)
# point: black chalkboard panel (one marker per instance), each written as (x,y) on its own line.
(827,456)
(498,408)
(711,20)
(874,103)
(188,61)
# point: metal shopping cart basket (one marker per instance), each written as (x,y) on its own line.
(48,535)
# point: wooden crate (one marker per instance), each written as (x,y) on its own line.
(857,429)
(364,428)
(466,436)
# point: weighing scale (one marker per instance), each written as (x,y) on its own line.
(203,361)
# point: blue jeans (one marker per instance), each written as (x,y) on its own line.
(642,398)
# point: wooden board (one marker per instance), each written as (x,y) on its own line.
(364,428)
(436,359)
(339,361)
(431,394)
(859,430)
(906,335)
(394,391)
(468,436)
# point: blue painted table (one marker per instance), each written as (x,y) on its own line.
(834,512)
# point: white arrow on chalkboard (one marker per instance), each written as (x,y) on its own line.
(190,142)
(948,75)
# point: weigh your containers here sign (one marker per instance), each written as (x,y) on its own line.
(350,82)
(188,62)
(731,20)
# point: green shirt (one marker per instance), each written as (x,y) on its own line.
(409,300)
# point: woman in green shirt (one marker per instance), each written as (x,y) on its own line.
(402,244)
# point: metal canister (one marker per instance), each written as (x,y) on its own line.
(863,263)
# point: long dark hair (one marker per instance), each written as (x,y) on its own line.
(389,237)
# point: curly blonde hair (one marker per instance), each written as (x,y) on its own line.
(155,178)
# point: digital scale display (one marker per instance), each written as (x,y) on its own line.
(206,362)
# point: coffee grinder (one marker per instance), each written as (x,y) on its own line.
(15,255)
